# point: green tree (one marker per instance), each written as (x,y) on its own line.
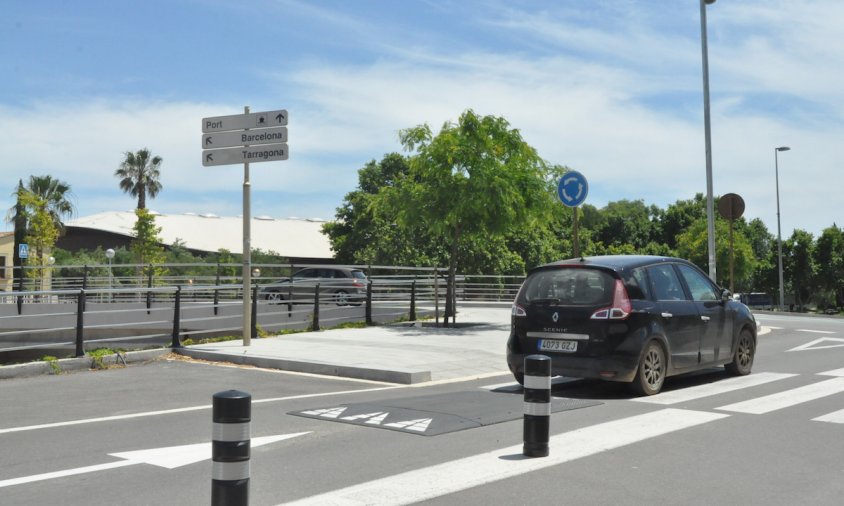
(139,175)
(629,222)
(692,246)
(360,234)
(679,216)
(476,178)
(146,245)
(799,266)
(42,231)
(37,215)
(829,259)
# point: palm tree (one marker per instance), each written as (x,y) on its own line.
(139,174)
(53,193)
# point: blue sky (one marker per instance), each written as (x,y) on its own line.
(611,88)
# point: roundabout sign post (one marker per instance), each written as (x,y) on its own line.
(572,191)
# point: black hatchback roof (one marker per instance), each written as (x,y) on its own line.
(617,263)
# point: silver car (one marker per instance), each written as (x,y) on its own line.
(343,285)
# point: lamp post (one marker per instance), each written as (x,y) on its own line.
(109,253)
(779,232)
(710,206)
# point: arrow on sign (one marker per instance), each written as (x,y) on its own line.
(208,141)
(209,157)
(169,458)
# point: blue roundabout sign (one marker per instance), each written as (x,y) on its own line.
(572,189)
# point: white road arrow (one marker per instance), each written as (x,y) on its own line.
(170,458)
(814,344)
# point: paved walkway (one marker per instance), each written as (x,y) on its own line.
(399,353)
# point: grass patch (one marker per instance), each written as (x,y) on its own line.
(53,362)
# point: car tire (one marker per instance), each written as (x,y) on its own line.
(743,356)
(341,298)
(274,297)
(650,374)
(520,378)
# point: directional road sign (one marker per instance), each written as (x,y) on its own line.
(572,189)
(241,121)
(251,154)
(244,138)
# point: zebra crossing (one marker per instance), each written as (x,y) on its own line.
(762,404)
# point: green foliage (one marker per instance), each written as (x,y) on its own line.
(692,245)
(53,362)
(139,175)
(146,245)
(829,259)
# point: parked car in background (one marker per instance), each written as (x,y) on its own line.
(757,300)
(343,285)
(636,319)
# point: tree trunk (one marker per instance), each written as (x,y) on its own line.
(450,287)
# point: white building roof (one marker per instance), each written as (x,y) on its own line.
(301,238)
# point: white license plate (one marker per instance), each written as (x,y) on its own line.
(557,345)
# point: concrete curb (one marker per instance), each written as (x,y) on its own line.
(401,377)
(78,364)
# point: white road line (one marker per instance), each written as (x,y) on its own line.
(559,380)
(835,372)
(719,387)
(69,472)
(178,410)
(815,331)
(450,477)
(787,398)
(834,417)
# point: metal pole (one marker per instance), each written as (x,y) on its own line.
(177,319)
(779,230)
(80,324)
(247,253)
(710,206)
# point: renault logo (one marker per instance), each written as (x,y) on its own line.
(555,317)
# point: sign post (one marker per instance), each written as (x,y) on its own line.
(572,191)
(731,207)
(244,138)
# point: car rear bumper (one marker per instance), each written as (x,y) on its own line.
(614,367)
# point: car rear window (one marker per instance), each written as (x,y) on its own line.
(569,286)
(358,274)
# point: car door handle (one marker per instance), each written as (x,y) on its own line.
(704,318)
(667,315)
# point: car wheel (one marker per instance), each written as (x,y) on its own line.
(520,378)
(743,357)
(274,297)
(651,371)
(341,298)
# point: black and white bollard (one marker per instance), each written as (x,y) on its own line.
(537,405)
(230,448)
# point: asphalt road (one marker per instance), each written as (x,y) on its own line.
(774,437)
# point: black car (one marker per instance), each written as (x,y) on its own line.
(343,285)
(636,319)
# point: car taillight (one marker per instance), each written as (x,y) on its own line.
(620,308)
(518,310)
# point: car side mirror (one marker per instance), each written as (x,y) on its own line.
(726,295)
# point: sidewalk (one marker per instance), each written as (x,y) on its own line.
(399,353)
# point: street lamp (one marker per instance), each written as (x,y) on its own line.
(710,205)
(779,232)
(109,254)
